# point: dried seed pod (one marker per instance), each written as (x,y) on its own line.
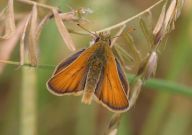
(149,67)
(157,31)
(169,17)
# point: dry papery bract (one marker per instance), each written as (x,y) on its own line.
(7,46)
(32,37)
(33,27)
(22,40)
(74,15)
(29,38)
(63,31)
(148,68)
(9,22)
(167,18)
(33,33)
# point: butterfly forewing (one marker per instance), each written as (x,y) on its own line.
(68,61)
(112,88)
(70,76)
(122,77)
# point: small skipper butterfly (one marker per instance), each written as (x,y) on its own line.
(95,73)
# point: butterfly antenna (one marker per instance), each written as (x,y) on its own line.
(116,36)
(94,34)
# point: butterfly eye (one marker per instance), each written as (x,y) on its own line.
(97,39)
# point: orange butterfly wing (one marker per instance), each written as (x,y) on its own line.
(68,61)
(112,89)
(70,76)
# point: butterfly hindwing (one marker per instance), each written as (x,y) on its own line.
(112,87)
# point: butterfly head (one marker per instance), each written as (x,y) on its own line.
(103,37)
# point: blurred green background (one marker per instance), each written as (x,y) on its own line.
(155,113)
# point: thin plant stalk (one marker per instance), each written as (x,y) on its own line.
(131,18)
(28,102)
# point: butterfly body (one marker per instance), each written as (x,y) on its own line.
(96,64)
(93,72)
